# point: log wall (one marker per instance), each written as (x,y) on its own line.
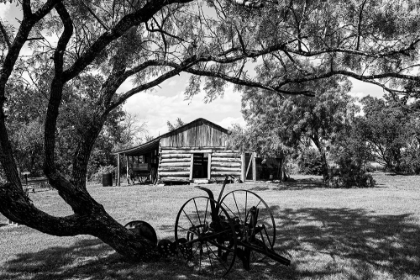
(225,163)
(176,163)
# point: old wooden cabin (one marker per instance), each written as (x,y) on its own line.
(195,151)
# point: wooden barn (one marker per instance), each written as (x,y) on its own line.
(196,151)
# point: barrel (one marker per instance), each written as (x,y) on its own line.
(107,179)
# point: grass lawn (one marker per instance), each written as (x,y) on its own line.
(328,233)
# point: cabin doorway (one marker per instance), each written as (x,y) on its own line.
(200,165)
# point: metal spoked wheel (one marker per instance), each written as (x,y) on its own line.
(207,241)
(256,221)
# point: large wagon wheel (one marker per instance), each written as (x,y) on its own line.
(260,233)
(211,244)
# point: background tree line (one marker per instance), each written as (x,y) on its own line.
(333,133)
(25,123)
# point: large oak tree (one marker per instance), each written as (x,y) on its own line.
(290,42)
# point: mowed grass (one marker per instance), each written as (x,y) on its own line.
(328,233)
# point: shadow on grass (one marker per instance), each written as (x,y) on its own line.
(398,174)
(349,243)
(301,184)
(290,184)
(94,260)
(322,243)
(86,259)
(168,228)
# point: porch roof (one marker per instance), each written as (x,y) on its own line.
(142,149)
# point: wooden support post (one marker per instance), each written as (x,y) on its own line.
(128,164)
(243,166)
(254,166)
(118,183)
(209,166)
(191,167)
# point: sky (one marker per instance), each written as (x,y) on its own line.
(167,102)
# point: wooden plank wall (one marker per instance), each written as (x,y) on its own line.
(175,163)
(197,135)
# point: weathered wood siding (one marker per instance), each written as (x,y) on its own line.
(176,163)
(225,162)
(198,134)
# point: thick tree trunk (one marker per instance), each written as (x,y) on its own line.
(95,221)
(325,169)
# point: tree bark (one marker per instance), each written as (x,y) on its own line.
(321,149)
(94,221)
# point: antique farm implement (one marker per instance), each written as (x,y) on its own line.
(211,234)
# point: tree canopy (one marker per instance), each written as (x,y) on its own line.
(390,127)
(81,52)
(282,123)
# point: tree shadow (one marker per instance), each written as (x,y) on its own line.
(393,174)
(167,228)
(321,242)
(57,262)
(300,184)
(290,184)
(351,242)
(92,259)
(259,189)
(86,259)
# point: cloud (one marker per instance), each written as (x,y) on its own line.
(229,121)
(358,94)
(362,89)
(4,8)
(10,13)
(157,109)
(172,82)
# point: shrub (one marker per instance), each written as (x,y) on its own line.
(362,180)
(310,162)
(411,161)
(350,173)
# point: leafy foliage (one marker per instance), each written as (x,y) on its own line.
(390,127)
(177,124)
(295,120)
(310,162)
(351,156)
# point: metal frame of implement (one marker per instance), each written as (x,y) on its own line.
(211,233)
